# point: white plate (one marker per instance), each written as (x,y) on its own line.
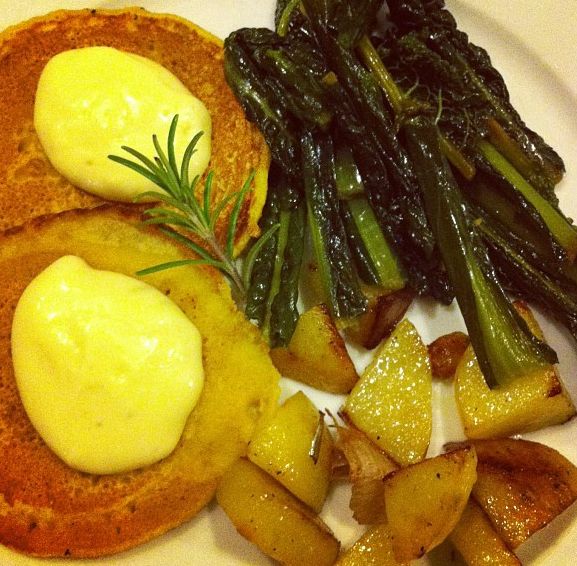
(532,44)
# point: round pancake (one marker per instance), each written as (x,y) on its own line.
(30,186)
(49,509)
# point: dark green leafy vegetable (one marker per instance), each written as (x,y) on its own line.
(376,262)
(259,98)
(347,77)
(504,346)
(427,55)
(555,293)
(562,231)
(365,124)
(284,72)
(328,236)
(273,287)
(505,205)
(426,52)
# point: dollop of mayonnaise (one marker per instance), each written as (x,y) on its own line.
(92,101)
(108,368)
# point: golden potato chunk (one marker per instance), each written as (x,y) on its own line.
(267,514)
(391,402)
(522,486)
(532,402)
(424,501)
(374,548)
(295,447)
(478,542)
(316,354)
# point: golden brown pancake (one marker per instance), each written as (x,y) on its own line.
(30,186)
(49,509)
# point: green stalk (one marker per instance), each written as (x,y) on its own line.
(329,240)
(371,58)
(383,259)
(281,242)
(347,176)
(402,104)
(558,297)
(284,309)
(558,225)
(285,17)
(505,348)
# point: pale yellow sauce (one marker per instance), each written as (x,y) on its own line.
(92,101)
(108,367)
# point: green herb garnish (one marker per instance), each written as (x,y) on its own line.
(186,212)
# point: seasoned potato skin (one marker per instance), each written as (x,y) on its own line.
(267,514)
(316,354)
(522,486)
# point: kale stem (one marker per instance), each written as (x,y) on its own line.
(560,227)
(372,60)
(457,158)
(502,342)
(402,104)
(282,239)
(285,18)
(382,257)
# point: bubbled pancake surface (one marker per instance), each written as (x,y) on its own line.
(30,186)
(49,509)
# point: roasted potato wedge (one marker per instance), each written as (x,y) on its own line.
(532,402)
(316,354)
(478,542)
(295,447)
(522,486)
(529,403)
(267,514)
(374,548)
(425,501)
(391,402)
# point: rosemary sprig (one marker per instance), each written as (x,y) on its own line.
(186,212)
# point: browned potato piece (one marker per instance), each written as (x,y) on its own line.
(522,486)
(478,542)
(374,548)
(534,401)
(316,354)
(267,514)
(295,447)
(383,314)
(424,501)
(445,353)
(529,403)
(391,403)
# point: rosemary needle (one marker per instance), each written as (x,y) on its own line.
(185,212)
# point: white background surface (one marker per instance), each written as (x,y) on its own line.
(532,43)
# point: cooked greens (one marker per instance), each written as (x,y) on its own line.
(414,168)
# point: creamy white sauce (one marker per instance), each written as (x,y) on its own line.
(108,368)
(92,101)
